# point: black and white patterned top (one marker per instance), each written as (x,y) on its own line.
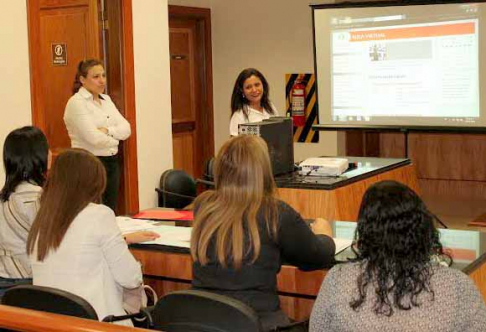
(458,305)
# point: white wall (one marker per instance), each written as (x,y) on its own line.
(152,95)
(274,36)
(15,83)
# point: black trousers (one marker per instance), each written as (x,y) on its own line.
(110,196)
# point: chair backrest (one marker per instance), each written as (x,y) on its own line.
(208,174)
(201,311)
(177,189)
(49,300)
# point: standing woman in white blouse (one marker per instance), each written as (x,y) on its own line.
(250,100)
(94,123)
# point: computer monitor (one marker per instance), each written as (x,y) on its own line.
(278,133)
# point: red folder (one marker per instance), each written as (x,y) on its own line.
(164,215)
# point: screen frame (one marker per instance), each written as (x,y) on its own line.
(386,3)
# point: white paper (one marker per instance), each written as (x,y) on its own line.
(341,244)
(174,236)
(129,225)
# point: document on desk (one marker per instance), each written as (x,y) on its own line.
(181,237)
(128,225)
(341,244)
(173,236)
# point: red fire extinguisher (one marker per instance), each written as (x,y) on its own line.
(297,106)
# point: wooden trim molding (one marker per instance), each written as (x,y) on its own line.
(19,319)
(33,8)
(130,147)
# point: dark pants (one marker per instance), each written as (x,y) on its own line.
(110,196)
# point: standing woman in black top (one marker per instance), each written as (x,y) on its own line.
(242,233)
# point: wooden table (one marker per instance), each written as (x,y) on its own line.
(167,269)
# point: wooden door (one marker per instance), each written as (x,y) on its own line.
(191,88)
(77,25)
(74,25)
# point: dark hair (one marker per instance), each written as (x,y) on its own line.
(76,179)
(83,68)
(396,238)
(25,153)
(239,102)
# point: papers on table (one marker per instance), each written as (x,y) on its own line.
(129,225)
(173,236)
(176,236)
(342,244)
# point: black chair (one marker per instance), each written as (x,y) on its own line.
(207,178)
(61,302)
(177,189)
(49,300)
(200,311)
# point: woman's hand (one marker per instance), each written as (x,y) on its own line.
(141,236)
(321,226)
(103,130)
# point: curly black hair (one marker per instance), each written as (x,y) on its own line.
(395,240)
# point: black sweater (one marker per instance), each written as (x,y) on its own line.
(256,284)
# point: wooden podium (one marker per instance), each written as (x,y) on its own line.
(339,198)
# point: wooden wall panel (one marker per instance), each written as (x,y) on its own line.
(354,143)
(451,168)
(183,144)
(392,145)
(467,190)
(455,202)
(449,156)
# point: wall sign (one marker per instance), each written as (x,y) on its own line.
(59,54)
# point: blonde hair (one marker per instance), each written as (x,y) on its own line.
(244,189)
(76,179)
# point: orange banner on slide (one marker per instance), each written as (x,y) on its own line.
(414,32)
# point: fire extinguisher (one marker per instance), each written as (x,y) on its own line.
(297,105)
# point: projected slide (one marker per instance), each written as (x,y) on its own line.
(413,70)
(389,64)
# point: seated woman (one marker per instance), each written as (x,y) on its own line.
(242,233)
(395,284)
(250,101)
(74,243)
(25,155)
